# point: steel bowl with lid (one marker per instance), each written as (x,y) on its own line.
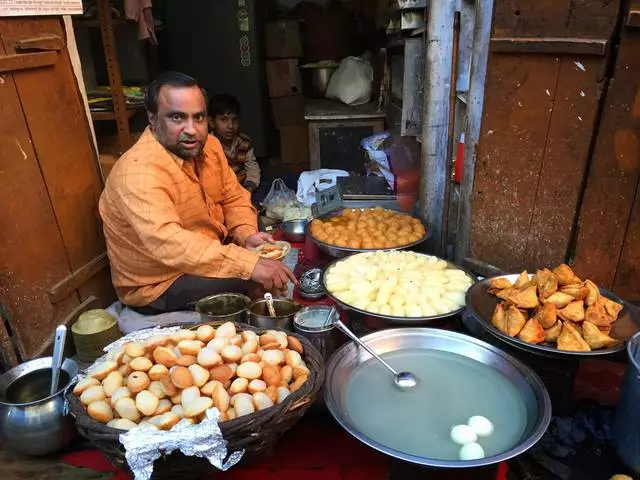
(459,377)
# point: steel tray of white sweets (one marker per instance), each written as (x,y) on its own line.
(416,288)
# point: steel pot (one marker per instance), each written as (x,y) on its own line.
(223,307)
(33,422)
(315,79)
(285,311)
(626,425)
(346,359)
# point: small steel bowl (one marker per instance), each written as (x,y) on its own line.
(294,230)
(310,284)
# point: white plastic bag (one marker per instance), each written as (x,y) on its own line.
(351,82)
(315,181)
(279,199)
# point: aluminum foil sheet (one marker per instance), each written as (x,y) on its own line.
(145,444)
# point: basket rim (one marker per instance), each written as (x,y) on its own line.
(293,401)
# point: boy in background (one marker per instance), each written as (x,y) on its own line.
(224,113)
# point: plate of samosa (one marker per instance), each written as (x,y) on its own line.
(553,311)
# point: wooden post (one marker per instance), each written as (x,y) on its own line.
(434,162)
(113,69)
(479,57)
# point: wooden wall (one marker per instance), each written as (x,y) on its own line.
(558,148)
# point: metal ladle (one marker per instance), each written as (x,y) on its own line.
(268,298)
(403,380)
(56,361)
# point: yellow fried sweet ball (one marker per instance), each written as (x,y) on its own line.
(373,228)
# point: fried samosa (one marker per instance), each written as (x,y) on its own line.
(570,339)
(559,299)
(565,275)
(598,315)
(526,298)
(612,308)
(505,293)
(579,291)
(574,312)
(499,284)
(595,338)
(551,334)
(547,315)
(532,332)
(522,281)
(499,318)
(593,293)
(547,282)
(515,320)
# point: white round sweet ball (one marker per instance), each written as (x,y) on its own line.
(471,451)
(481,425)
(463,434)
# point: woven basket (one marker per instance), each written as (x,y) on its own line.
(257,433)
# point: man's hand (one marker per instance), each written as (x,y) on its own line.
(258,239)
(272,275)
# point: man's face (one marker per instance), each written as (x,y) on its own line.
(225,126)
(181,122)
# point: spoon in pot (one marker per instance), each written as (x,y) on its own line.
(56,361)
(403,380)
(268,298)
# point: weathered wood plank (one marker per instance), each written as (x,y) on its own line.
(575,106)
(556,18)
(574,46)
(627,281)
(614,174)
(510,154)
(32,254)
(27,61)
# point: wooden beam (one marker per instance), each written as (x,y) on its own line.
(42,42)
(113,71)
(24,61)
(66,287)
(8,355)
(633,18)
(550,45)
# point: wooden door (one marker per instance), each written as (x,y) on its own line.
(52,254)
(546,73)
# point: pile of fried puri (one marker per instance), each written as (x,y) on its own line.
(555,307)
(166,379)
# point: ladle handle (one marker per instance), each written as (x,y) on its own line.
(342,327)
(56,361)
(268,298)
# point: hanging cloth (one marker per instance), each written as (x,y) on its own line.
(140,11)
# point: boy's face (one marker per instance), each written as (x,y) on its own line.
(225,126)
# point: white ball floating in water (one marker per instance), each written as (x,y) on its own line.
(481,425)
(463,434)
(471,451)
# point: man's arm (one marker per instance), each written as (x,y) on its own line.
(151,212)
(252,170)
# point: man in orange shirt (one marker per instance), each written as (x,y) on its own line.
(177,223)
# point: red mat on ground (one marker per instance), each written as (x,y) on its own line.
(306,453)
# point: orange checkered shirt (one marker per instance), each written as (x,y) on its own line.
(163,219)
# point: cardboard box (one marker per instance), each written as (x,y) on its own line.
(283,78)
(288,111)
(283,39)
(294,146)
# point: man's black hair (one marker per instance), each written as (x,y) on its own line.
(222,104)
(172,79)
